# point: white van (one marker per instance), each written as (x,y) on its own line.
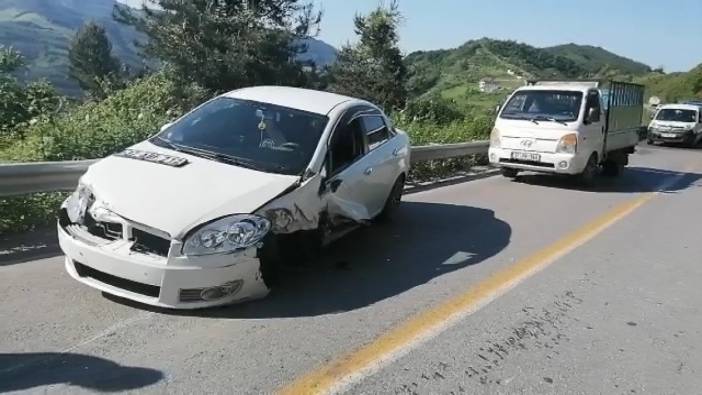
(676,123)
(572,128)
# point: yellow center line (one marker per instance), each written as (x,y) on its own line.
(339,373)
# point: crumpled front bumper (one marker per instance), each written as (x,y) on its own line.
(176,282)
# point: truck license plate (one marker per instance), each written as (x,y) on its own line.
(527,156)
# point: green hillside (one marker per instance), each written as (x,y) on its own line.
(598,61)
(455,74)
(674,87)
(42,31)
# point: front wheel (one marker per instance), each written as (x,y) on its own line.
(588,175)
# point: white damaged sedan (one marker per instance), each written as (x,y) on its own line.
(204,212)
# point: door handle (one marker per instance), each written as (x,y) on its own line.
(368,171)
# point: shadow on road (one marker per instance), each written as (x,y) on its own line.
(425,241)
(20,248)
(634,180)
(30,370)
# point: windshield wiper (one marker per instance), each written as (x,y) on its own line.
(217,157)
(549,119)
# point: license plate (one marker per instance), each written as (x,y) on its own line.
(527,156)
(669,135)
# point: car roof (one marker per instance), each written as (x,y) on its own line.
(680,107)
(300,99)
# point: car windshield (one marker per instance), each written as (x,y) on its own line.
(250,134)
(676,115)
(560,106)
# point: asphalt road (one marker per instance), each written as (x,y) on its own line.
(489,286)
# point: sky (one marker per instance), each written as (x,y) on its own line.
(658,33)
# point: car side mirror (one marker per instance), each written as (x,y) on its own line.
(166,126)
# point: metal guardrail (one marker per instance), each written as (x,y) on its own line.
(24,178)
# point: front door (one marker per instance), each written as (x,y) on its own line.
(593,131)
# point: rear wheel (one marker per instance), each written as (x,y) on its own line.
(393,201)
(509,173)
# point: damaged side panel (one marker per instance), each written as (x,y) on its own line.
(303,208)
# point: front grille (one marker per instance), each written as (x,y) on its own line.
(127,285)
(527,163)
(147,243)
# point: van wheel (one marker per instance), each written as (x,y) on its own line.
(393,201)
(509,173)
(588,175)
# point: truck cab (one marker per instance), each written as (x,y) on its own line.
(676,123)
(566,128)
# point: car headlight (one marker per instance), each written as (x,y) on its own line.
(227,235)
(568,144)
(495,138)
(77,204)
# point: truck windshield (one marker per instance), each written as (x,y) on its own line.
(560,106)
(257,135)
(676,115)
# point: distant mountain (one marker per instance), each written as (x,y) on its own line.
(42,30)
(318,52)
(599,61)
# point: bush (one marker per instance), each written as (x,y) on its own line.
(98,129)
(433,110)
(26,213)
(423,133)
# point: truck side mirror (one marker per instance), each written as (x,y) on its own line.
(593,115)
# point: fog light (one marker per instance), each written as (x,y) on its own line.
(210,294)
(214,293)
(563,165)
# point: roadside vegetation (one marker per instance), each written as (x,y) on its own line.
(198,49)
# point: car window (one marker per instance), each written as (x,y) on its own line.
(260,135)
(347,144)
(377,131)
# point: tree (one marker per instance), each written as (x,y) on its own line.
(226,44)
(91,60)
(20,104)
(373,68)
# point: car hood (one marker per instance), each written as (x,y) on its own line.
(176,199)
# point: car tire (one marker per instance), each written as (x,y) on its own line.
(587,177)
(509,173)
(393,201)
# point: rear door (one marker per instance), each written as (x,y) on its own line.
(382,162)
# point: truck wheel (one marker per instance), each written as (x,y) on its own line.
(509,173)
(587,177)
